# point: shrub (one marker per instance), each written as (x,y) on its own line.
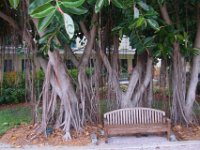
(13,88)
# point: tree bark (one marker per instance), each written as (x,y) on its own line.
(84,82)
(191,93)
(145,83)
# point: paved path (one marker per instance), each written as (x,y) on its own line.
(121,143)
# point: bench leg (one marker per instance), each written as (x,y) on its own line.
(168,134)
(106,135)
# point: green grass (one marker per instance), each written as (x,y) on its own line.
(12,117)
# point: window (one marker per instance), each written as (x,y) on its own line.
(124,65)
(8,66)
(26,64)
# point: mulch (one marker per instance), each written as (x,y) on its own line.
(187,133)
(27,135)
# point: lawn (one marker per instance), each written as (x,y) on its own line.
(11,117)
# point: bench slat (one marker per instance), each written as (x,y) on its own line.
(134,116)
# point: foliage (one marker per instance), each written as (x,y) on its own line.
(14,3)
(54,19)
(12,117)
(74,73)
(40,75)
(12,95)
(13,88)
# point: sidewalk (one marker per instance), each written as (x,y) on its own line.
(121,143)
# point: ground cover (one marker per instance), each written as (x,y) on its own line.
(12,116)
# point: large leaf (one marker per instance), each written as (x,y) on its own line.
(61,36)
(151,14)
(72,3)
(118,4)
(99,4)
(143,5)
(149,42)
(44,22)
(91,2)
(69,25)
(14,3)
(47,34)
(43,11)
(37,3)
(153,23)
(76,11)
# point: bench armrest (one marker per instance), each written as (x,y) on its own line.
(167,120)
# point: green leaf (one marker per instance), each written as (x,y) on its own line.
(69,25)
(151,14)
(91,2)
(118,4)
(43,11)
(140,22)
(98,5)
(61,36)
(117,28)
(148,40)
(44,22)
(153,24)
(76,11)
(72,3)
(47,34)
(161,2)
(45,49)
(14,3)
(35,4)
(143,5)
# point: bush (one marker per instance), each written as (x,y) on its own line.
(12,95)
(13,88)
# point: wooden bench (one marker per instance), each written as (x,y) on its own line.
(136,120)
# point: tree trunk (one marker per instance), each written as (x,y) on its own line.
(179,77)
(163,84)
(179,86)
(115,58)
(64,88)
(191,93)
(139,82)
(86,94)
(141,89)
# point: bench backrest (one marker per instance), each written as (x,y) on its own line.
(137,115)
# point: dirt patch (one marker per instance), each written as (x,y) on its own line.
(26,135)
(187,133)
